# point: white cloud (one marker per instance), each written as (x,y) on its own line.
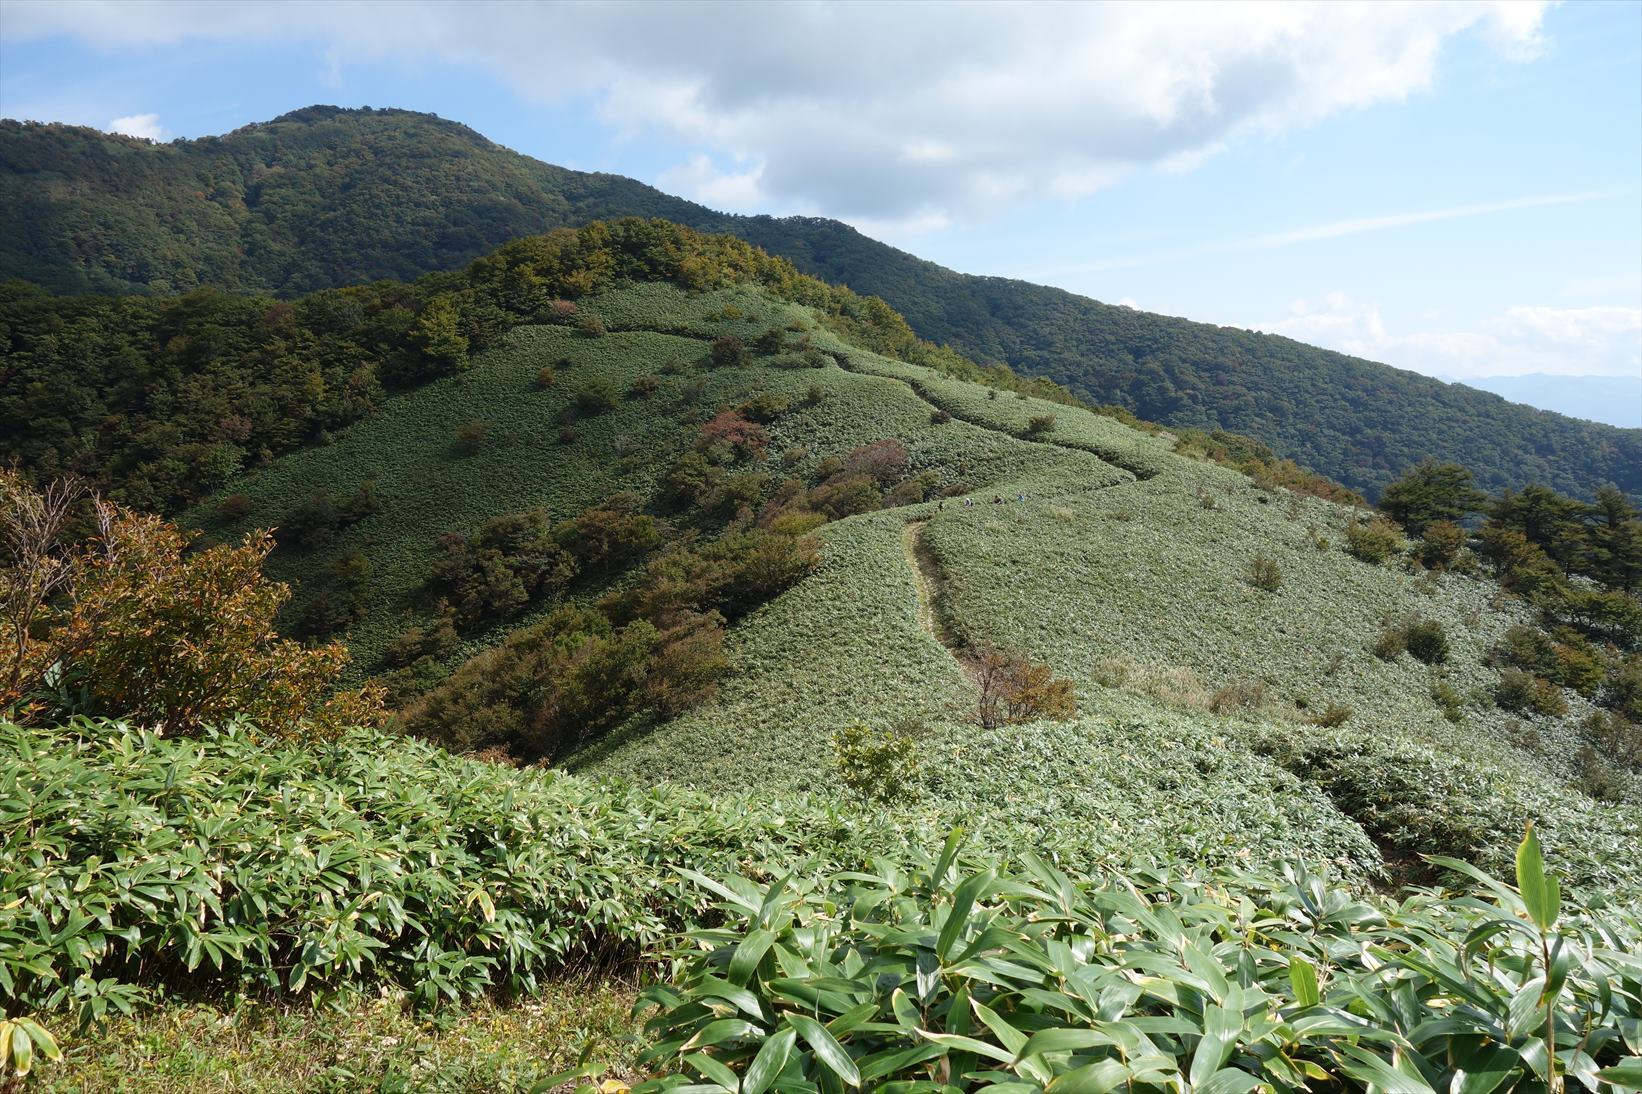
(138,125)
(1333,229)
(887,110)
(731,191)
(1597,341)
(1359,225)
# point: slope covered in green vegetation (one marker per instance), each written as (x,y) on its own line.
(324,197)
(1249,721)
(290,870)
(793,596)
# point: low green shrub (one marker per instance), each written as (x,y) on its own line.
(472,437)
(133,862)
(1238,697)
(876,764)
(233,508)
(341,597)
(1427,641)
(318,519)
(1265,574)
(1448,700)
(608,536)
(1372,541)
(570,679)
(1390,644)
(765,407)
(511,561)
(1616,737)
(1440,546)
(966,973)
(596,396)
(1417,800)
(1520,691)
(729,350)
(1335,714)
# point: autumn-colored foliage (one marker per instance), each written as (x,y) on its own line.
(729,435)
(1014,690)
(171,638)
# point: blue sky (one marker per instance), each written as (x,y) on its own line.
(1455,188)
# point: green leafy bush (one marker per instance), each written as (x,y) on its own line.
(1372,541)
(727,349)
(342,598)
(1335,714)
(845,495)
(765,407)
(1426,640)
(1265,574)
(608,536)
(967,973)
(1440,546)
(249,865)
(512,560)
(596,396)
(233,508)
(318,519)
(1523,691)
(876,764)
(1616,737)
(1448,700)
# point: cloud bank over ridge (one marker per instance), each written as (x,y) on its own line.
(890,112)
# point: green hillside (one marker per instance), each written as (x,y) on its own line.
(1124,569)
(805,708)
(326,197)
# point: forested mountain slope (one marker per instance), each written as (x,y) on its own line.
(324,197)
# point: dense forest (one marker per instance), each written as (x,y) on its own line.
(325,197)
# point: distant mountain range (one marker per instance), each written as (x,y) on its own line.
(1616,400)
(325,197)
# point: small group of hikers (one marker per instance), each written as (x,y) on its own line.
(997,499)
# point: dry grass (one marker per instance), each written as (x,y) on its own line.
(357,1043)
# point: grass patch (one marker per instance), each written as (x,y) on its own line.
(355,1042)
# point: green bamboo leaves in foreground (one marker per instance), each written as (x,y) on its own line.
(962,974)
(132,864)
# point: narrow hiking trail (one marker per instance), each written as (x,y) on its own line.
(1139,470)
(931,585)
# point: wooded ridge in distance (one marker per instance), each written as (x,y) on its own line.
(326,197)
